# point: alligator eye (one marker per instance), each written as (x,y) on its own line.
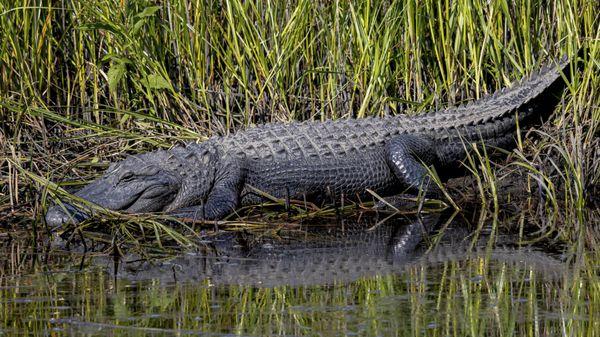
(127,177)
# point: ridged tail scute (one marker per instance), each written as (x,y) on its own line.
(533,98)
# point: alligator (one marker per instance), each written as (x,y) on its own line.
(314,160)
(321,256)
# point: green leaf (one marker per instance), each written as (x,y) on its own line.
(113,57)
(156,81)
(115,75)
(137,26)
(109,27)
(148,11)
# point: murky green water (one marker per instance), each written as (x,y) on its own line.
(331,282)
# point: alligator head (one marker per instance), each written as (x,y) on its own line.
(144,183)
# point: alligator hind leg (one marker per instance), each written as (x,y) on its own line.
(406,155)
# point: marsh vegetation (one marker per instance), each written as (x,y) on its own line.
(85,83)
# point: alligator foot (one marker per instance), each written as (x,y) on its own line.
(211,211)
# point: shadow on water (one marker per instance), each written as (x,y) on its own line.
(404,277)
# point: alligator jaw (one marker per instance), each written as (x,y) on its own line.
(142,192)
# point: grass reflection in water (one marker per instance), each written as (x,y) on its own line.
(445,291)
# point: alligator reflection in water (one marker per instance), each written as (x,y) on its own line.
(324,256)
(322,281)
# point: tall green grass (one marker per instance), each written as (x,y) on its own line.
(84,82)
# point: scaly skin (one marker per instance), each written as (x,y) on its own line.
(317,160)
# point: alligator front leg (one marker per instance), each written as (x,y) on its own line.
(219,204)
(222,199)
(406,155)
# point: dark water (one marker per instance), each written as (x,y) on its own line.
(348,280)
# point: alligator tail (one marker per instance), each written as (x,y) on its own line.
(532,99)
